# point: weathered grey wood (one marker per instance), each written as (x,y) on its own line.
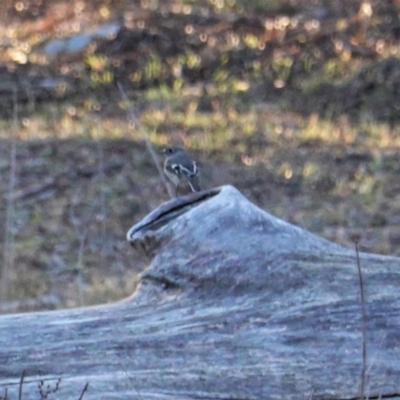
(235,304)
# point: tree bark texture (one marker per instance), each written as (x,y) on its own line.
(234,304)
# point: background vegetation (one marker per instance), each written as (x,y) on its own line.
(294,102)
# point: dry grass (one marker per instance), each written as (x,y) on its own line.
(329,177)
(82,175)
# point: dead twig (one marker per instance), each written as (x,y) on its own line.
(44,302)
(21,382)
(363,326)
(84,391)
(131,380)
(9,237)
(82,232)
(32,190)
(149,146)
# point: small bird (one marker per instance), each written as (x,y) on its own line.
(178,164)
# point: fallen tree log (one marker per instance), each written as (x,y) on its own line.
(234,304)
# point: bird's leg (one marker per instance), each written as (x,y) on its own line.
(177,190)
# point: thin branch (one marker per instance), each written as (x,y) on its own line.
(9,248)
(21,382)
(149,146)
(131,380)
(84,391)
(32,190)
(363,326)
(82,232)
(102,199)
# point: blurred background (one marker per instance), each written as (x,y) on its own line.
(295,102)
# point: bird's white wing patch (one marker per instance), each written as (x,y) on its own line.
(181,169)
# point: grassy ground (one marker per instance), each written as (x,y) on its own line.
(318,147)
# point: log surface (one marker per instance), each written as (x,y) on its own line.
(235,304)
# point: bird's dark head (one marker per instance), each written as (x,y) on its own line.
(169,151)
